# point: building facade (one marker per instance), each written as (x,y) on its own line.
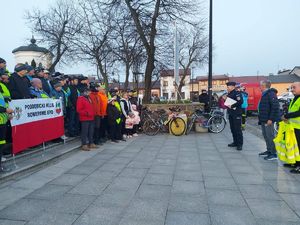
(167,84)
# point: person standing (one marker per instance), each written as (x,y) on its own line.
(74,123)
(5,115)
(96,102)
(235,116)
(18,84)
(268,113)
(204,98)
(244,106)
(222,106)
(293,118)
(114,120)
(86,116)
(103,113)
(127,113)
(36,90)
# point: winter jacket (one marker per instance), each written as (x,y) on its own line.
(221,103)
(46,86)
(268,108)
(96,101)
(59,95)
(74,94)
(85,109)
(126,107)
(36,93)
(18,87)
(104,101)
(113,114)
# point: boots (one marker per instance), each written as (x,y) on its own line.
(93,146)
(85,148)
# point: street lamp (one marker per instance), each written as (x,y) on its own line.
(210,52)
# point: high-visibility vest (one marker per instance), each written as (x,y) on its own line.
(4,115)
(294,107)
(286,144)
(5,93)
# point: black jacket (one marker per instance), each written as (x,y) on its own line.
(204,98)
(236,108)
(73,96)
(46,86)
(268,108)
(18,87)
(112,114)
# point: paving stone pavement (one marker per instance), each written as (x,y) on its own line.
(161,180)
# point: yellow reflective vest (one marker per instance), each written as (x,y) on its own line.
(286,144)
(5,93)
(294,107)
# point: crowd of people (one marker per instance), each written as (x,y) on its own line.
(89,110)
(98,116)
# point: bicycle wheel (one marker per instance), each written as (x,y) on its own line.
(190,125)
(150,128)
(177,126)
(216,124)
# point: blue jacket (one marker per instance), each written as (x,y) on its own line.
(268,108)
(245,100)
(36,93)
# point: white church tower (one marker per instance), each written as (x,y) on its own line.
(32,52)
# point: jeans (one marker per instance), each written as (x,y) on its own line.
(269,134)
(87,132)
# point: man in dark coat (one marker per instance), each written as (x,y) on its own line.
(204,98)
(235,116)
(18,84)
(268,113)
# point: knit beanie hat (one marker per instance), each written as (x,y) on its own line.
(19,67)
(2,60)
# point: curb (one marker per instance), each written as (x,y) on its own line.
(43,163)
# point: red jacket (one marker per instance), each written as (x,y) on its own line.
(85,109)
(96,101)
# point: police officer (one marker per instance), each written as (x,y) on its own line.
(235,116)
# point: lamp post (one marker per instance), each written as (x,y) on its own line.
(210,52)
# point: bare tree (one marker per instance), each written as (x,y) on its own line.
(150,17)
(127,45)
(93,42)
(56,27)
(193,49)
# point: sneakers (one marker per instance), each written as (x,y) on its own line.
(266,153)
(232,145)
(135,135)
(271,157)
(85,148)
(124,136)
(114,141)
(289,165)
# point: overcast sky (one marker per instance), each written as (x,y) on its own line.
(250,36)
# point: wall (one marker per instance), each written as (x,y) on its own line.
(39,57)
(281,87)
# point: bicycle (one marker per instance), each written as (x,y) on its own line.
(177,125)
(216,122)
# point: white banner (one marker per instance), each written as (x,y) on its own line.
(31,110)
